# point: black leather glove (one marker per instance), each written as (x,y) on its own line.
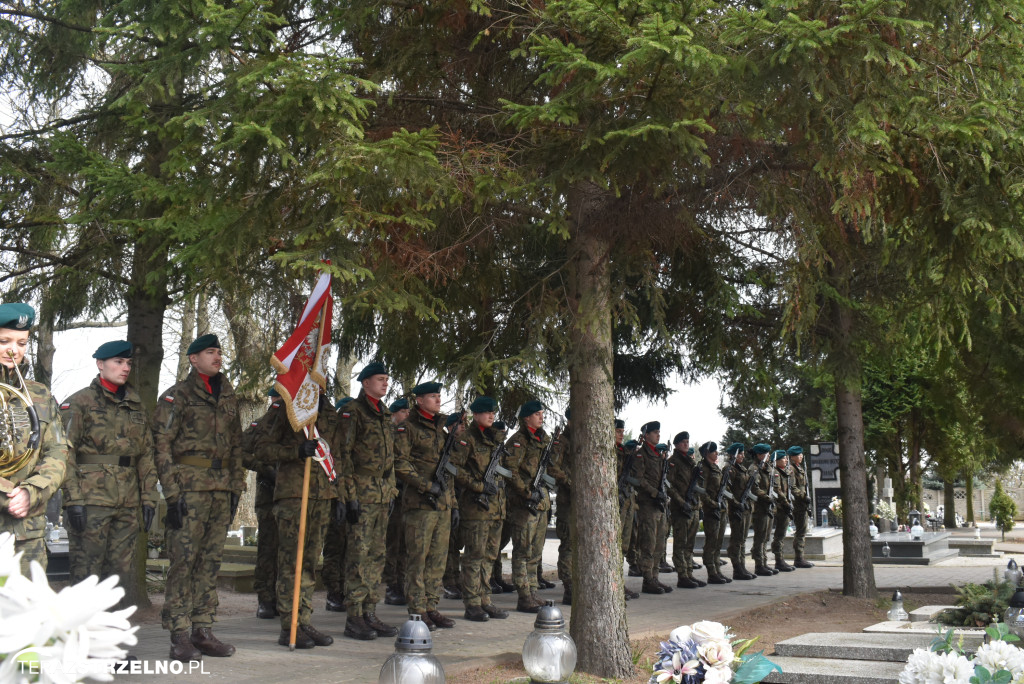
(456,518)
(176,512)
(308,448)
(352,512)
(435,490)
(75,516)
(535,496)
(746,506)
(338,511)
(148,513)
(235,498)
(490,489)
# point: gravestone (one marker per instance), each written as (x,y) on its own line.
(824,469)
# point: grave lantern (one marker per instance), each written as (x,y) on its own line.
(1012,573)
(886,551)
(1014,615)
(896,612)
(549,654)
(873,529)
(412,662)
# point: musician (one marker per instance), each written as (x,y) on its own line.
(34,459)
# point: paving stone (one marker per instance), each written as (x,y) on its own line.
(862,646)
(833,671)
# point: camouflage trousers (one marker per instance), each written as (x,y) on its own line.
(107,544)
(265,574)
(335,545)
(364,560)
(31,550)
(781,524)
(506,536)
(627,515)
(740,525)
(799,531)
(318,514)
(394,564)
(762,532)
(651,541)
(633,551)
(426,543)
(195,552)
(452,572)
(481,538)
(684,537)
(714,530)
(564,529)
(528,534)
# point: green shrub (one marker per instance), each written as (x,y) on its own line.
(979,604)
(1003,508)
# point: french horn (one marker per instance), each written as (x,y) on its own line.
(17,416)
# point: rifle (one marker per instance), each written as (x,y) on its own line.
(494,470)
(771,487)
(723,489)
(694,490)
(626,480)
(444,470)
(748,493)
(663,484)
(789,489)
(542,479)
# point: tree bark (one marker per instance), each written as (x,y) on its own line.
(44,353)
(949,504)
(188,326)
(598,624)
(969,517)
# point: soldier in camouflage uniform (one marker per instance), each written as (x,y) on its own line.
(711,473)
(265,573)
(426,504)
(651,510)
(783,509)
(801,505)
(627,496)
(482,507)
(527,508)
(335,544)
(111,475)
(739,512)
(685,514)
(394,564)
(199,459)
(25,492)
(763,510)
(280,444)
(368,455)
(451,582)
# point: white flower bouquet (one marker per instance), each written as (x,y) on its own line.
(997,662)
(884,509)
(706,652)
(64,637)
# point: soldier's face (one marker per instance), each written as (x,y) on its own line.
(485,419)
(654,436)
(13,345)
(399,415)
(739,457)
(797,459)
(683,446)
(534,420)
(115,370)
(782,462)
(620,433)
(208,361)
(376,386)
(431,403)
(712,456)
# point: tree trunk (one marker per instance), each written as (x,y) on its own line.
(44,353)
(915,461)
(188,327)
(598,624)
(949,504)
(344,373)
(969,517)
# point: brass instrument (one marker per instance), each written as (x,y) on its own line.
(14,420)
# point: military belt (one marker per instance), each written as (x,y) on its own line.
(200,462)
(105,459)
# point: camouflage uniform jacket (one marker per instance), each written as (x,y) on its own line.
(737,485)
(762,486)
(561,468)
(418,444)
(712,473)
(680,472)
(525,450)
(367,453)
(100,426)
(634,471)
(44,472)
(473,452)
(266,473)
(782,486)
(277,442)
(198,438)
(800,498)
(650,477)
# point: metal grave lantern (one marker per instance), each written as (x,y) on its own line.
(916,531)
(896,612)
(1012,573)
(1014,615)
(549,654)
(873,529)
(412,662)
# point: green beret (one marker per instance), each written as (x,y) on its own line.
(530,407)
(661,446)
(680,437)
(500,426)
(452,420)
(483,405)
(780,454)
(620,424)
(371,369)
(689,451)
(17,316)
(426,388)
(795,450)
(650,427)
(631,444)
(762,448)
(341,402)
(119,348)
(707,447)
(734,447)
(399,405)
(272,392)
(203,342)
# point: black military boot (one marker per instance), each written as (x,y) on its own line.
(494,612)
(634,571)
(686,582)
(356,628)
(740,573)
(694,565)
(182,648)
(802,563)
(266,611)
(476,614)
(335,602)
(506,587)
(567,595)
(318,637)
(781,564)
(762,570)
(394,595)
(452,592)
(379,627)
(665,566)
(543,583)
(527,604)
(652,586)
(439,620)
(208,644)
(302,640)
(630,594)
(496,587)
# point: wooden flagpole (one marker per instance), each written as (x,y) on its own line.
(302,545)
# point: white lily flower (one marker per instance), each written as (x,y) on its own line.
(706,630)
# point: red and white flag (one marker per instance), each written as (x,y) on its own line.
(301,365)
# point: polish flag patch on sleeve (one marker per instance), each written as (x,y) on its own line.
(401,429)
(65,406)
(169,399)
(346,415)
(516,445)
